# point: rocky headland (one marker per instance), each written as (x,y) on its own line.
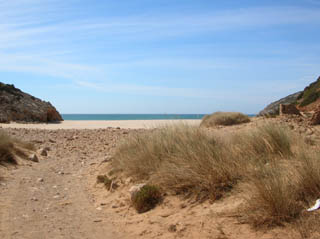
(19,106)
(307,100)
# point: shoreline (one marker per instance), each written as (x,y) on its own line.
(101,124)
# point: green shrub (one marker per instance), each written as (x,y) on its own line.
(105,180)
(147,198)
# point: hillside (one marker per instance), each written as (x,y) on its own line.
(16,105)
(306,100)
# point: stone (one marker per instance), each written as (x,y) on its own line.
(40,180)
(34,158)
(172,228)
(43,152)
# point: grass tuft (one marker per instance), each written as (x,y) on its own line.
(224,118)
(10,147)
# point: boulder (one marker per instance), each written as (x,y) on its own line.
(18,106)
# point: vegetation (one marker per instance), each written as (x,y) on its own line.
(146,198)
(10,148)
(310,94)
(282,173)
(6,150)
(105,180)
(224,118)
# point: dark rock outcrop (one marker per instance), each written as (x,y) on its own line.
(16,105)
(273,108)
(288,109)
(315,120)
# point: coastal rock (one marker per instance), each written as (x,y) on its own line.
(273,108)
(16,105)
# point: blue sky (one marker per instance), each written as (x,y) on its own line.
(159,56)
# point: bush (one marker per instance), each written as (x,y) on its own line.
(224,118)
(147,198)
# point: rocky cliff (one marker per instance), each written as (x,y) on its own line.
(306,100)
(16,105)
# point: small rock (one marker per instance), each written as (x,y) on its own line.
(97,220)
(127,181)
(40,180)
(52,141)
(172,228)
(43,152)
(34,199)
(115,206)
(56,196)
(60,172)
(118,128)
(34,158)
(99,208)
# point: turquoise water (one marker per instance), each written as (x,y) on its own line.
(131,116)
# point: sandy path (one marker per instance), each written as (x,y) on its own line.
(60,205)
(102,124)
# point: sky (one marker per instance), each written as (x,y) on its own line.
(159,56)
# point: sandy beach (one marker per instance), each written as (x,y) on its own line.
(101,124)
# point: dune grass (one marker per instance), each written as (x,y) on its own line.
(10,148)
(224,118)
(282,172)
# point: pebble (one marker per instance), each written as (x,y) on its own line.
(99,208)
(56,196)
(40,180)
(34,158)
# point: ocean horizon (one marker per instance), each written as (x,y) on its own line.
(133,116)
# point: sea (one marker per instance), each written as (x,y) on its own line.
(132,116)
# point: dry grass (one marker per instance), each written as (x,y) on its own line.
(10,148)
(180,158)
(6,150)
(224,118)
(281,170)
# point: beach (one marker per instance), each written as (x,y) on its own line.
(101,124)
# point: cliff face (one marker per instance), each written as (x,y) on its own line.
(16,105)
(306,100)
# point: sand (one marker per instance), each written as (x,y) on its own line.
(101,124)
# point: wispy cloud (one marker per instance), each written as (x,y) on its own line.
(37,37)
